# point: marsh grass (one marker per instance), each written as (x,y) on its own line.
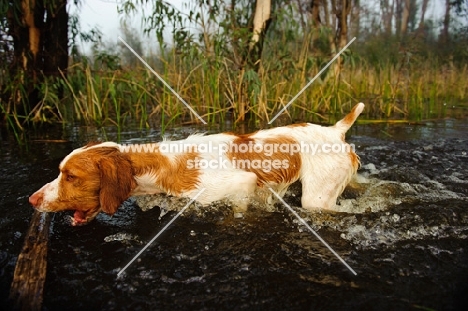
(219,91)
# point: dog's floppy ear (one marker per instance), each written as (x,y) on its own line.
(117,181)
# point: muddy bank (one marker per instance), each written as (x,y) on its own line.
(403,227)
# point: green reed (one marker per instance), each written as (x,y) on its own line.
(216,87)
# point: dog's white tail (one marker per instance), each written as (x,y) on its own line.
(344,124)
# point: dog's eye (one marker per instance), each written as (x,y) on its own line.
(70,178)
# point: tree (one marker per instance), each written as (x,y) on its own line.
(261,20)
(241,27)
(341,9)
(423,13)
(405,17)
(444,35)
(338,21)
(387,10)
(39,32)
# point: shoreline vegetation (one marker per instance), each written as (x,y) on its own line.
(413,92)
(401,77)
(115,96)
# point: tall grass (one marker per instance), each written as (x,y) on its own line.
(217,90)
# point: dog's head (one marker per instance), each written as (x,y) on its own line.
(94,178)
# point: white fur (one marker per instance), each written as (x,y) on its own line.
(323,175)
(146,184)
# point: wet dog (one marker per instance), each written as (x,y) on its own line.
(99,177)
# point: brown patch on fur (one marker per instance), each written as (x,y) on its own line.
(350,118)
(172,174)
(93,180)
(354,160)
(117,180)
(297,125)
(242,137)
(280,167)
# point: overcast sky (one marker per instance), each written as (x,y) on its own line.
(103,14)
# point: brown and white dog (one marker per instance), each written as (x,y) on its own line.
(99,177)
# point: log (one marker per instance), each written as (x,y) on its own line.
(26,291)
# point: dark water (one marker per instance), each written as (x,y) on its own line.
(403,229)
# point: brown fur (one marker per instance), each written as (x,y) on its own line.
(171,175)
(297,125)
(99,177)
(276,176)
(350,117)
